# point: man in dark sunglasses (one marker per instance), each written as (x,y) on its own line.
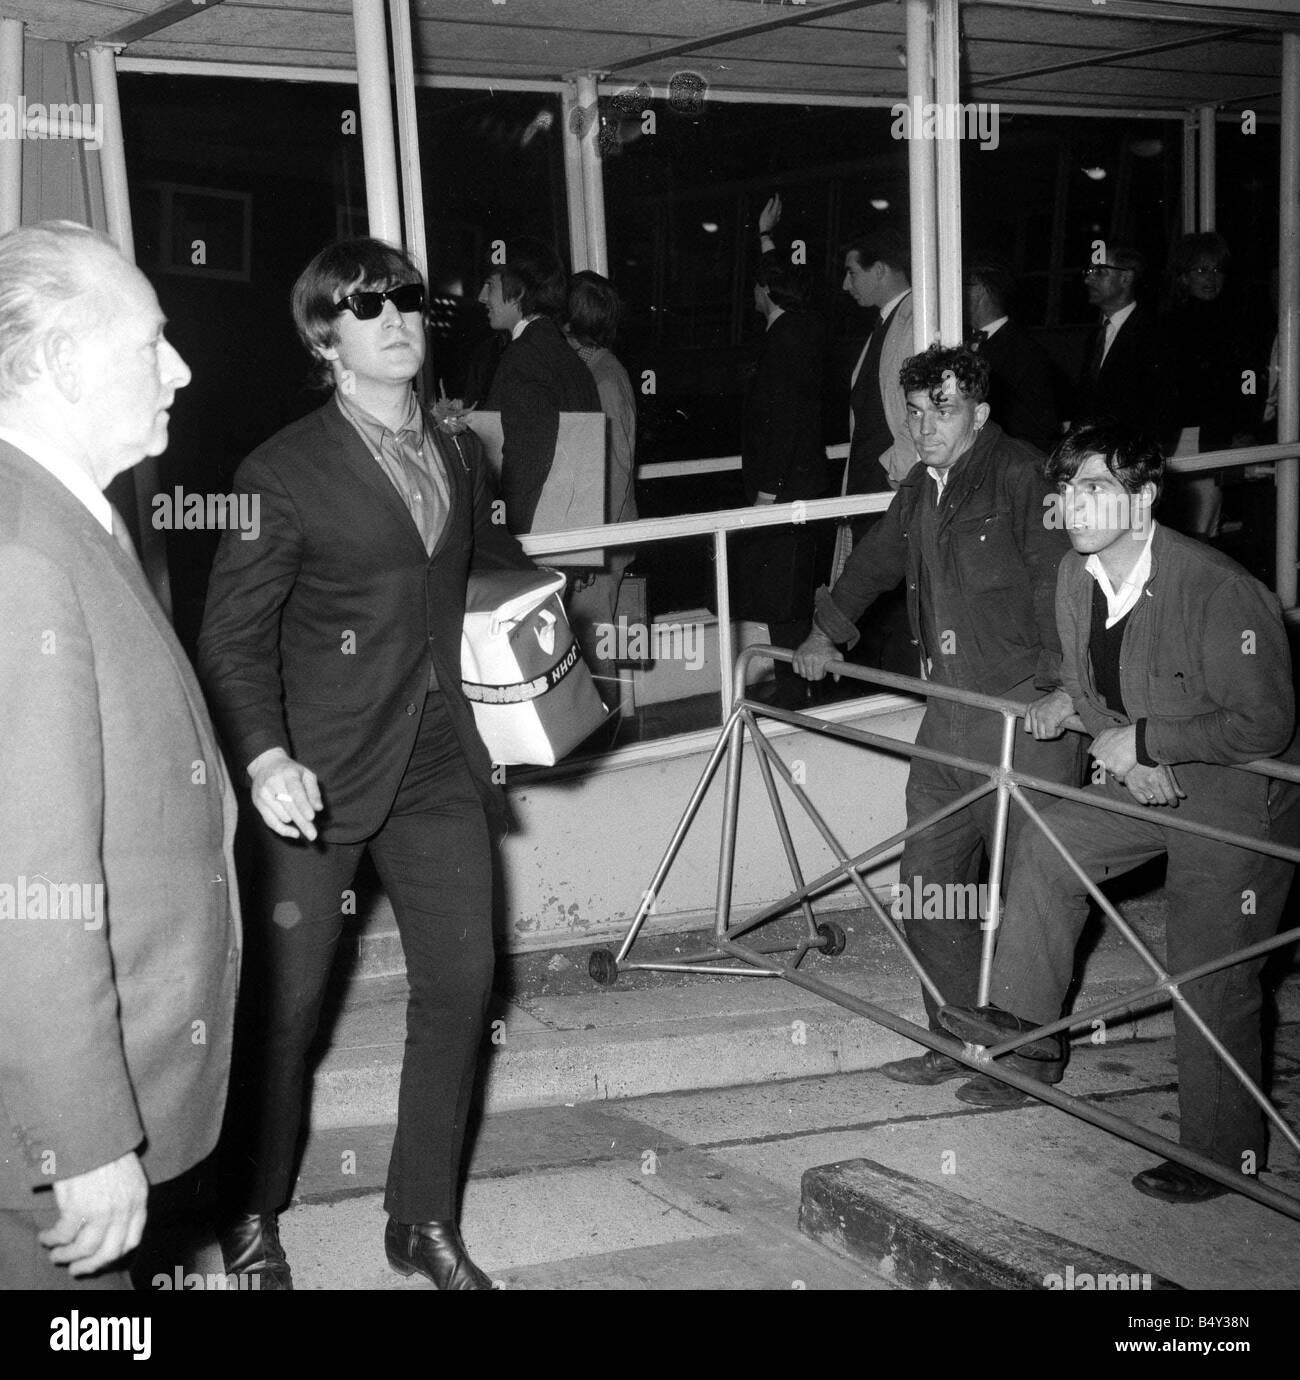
(330,650)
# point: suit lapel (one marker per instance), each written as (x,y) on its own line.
(96,541)
(456,466)
(356,457)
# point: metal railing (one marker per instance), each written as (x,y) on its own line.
(722,523)
(1010,786)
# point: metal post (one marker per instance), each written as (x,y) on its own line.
(1205,216)
(383,204)
(1288,403)
(117,210)
(11,98)
(920,180)
(112,153)
(408,134)
(577,126)
(1189,174)
(593,179)
(997,858)
(947,78)
(726,643)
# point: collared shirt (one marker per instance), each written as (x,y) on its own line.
(519,327)
(411,463)
(1112,325)
(776,312)
(885,312)
(67,471)
(943,477)
(994,326)
(1120,601)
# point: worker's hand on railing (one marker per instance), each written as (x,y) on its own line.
(814,654)
(1116,750)
(1154,786)
(1051,716)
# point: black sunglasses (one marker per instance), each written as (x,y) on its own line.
(365,306)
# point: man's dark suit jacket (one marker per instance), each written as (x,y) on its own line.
(1138,384)
(1021,399)
(114,1030)
(540,375)
(781,440)
(318,635)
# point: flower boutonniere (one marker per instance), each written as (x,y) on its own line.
(451,417)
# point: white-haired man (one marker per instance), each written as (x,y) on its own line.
(119,932)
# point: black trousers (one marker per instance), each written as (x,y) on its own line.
(433,856)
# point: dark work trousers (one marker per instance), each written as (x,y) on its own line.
(1220,899)
(433,857)
(953,851)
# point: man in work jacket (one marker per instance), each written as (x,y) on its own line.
(1175,660)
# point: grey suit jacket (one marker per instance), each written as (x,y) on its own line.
(119,921)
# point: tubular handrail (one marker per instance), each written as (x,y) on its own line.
(1180,464)
(720,523)
(1010,787)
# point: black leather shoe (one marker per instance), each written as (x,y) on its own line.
(987,1091)
(990,1025)
(434,1250)
(925,1070)
(1176,1183)
(251,1246)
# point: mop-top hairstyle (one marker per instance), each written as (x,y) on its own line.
(355,265)
(1134,457)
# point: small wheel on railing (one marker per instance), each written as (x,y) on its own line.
(602,967)
(832,936)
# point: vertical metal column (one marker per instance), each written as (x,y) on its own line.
(1189,174)
(117,210)
(12,98)
(1288,403)
(1207,193)
(920,180)
(578,125)
(947,82)
(383,203)
(408,134)
(593,179)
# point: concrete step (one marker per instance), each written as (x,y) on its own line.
(557,1038)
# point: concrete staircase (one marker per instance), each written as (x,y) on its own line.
(558,1038)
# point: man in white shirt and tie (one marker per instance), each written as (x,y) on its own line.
(1129,371)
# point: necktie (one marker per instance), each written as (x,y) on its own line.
(1099,350)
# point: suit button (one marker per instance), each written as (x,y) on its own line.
(410,709)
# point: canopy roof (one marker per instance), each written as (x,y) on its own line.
(1118,54)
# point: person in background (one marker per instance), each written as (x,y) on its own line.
(1130,371)
(1217,340)
(783,459)
(591,324)
(538,376)
(1021,396)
